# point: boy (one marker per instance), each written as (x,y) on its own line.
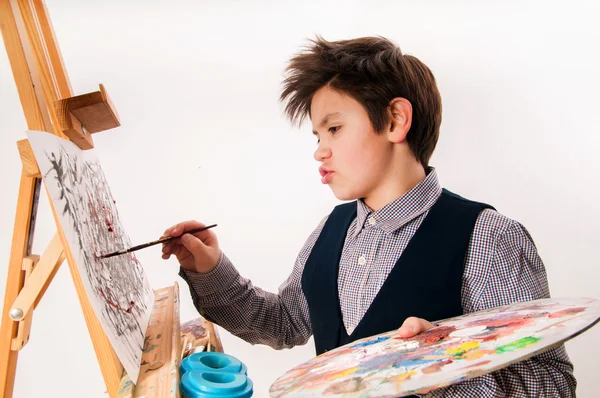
(402,252)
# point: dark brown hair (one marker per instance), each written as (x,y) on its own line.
(373,71)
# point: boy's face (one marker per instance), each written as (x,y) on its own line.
(355,160)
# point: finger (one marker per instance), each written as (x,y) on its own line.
(166,256)
(193,245)
(413,326)
(172,249)
(177,249)
(168,231)
(182,227)
(207,237)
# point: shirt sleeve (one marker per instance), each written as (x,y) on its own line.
(503,267)
(279,320)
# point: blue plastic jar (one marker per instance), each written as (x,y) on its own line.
(198,384)
(213,362)
(214,375)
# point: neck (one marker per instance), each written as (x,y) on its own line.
(401,179)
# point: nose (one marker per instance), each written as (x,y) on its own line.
(323,152)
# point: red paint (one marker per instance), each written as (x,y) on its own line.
(434,335)
(515,322)
(133,258)
(436,367)
(127,310)
(566,312)
(475,365)
(489,337)
(108,222)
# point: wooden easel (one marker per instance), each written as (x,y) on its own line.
(49,105)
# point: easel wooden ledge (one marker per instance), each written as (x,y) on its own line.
(49,105)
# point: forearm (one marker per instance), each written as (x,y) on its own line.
(224,297)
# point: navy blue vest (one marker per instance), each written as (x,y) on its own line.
(425,282)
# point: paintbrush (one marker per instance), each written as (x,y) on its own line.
(155,242)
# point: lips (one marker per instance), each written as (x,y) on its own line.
(325,175)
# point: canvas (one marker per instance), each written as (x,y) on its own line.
(458,349)
(117,287)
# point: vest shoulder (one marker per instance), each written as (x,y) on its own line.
(458,199)
(345,207)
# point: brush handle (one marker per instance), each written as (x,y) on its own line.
(156,242)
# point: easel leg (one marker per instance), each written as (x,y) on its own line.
(110,366)
(41,81)
(26,205)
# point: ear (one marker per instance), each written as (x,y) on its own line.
(400,117)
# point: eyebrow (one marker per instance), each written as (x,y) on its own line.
(326,119)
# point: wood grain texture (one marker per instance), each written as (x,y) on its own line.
(71,126)
(34,59)
(86,114)
(59,261)
(30,166)
(110,105)
(109,363)
(14,283)
(159,370)
(15,49)
(39,278)
(44,67)
(24,326)
(215,339)
(54,55)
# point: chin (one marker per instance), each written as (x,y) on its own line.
(346,195)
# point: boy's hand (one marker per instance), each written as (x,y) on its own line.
(413,326)
(198,252)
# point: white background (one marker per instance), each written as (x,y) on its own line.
(196,85)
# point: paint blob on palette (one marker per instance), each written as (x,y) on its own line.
(457,349)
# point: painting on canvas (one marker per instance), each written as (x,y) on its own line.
(117,287)
(458,349)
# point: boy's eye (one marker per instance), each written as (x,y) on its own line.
(334,129)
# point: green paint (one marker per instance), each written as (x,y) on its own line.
(150,348)
(515,345)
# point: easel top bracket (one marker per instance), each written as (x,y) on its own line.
(79,118)
(83,115)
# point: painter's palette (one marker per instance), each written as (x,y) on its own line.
(458,349)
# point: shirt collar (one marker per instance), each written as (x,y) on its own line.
(399,212)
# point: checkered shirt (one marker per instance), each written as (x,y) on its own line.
(502,266)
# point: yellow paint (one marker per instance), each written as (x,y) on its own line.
(473,355)
(342,373)
(401,378)
(465,347)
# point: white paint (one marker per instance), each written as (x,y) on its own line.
(474,331)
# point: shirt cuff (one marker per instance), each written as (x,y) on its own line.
(218,279)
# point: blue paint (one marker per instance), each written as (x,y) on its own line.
(413,362)
(370,342)
(396,360)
